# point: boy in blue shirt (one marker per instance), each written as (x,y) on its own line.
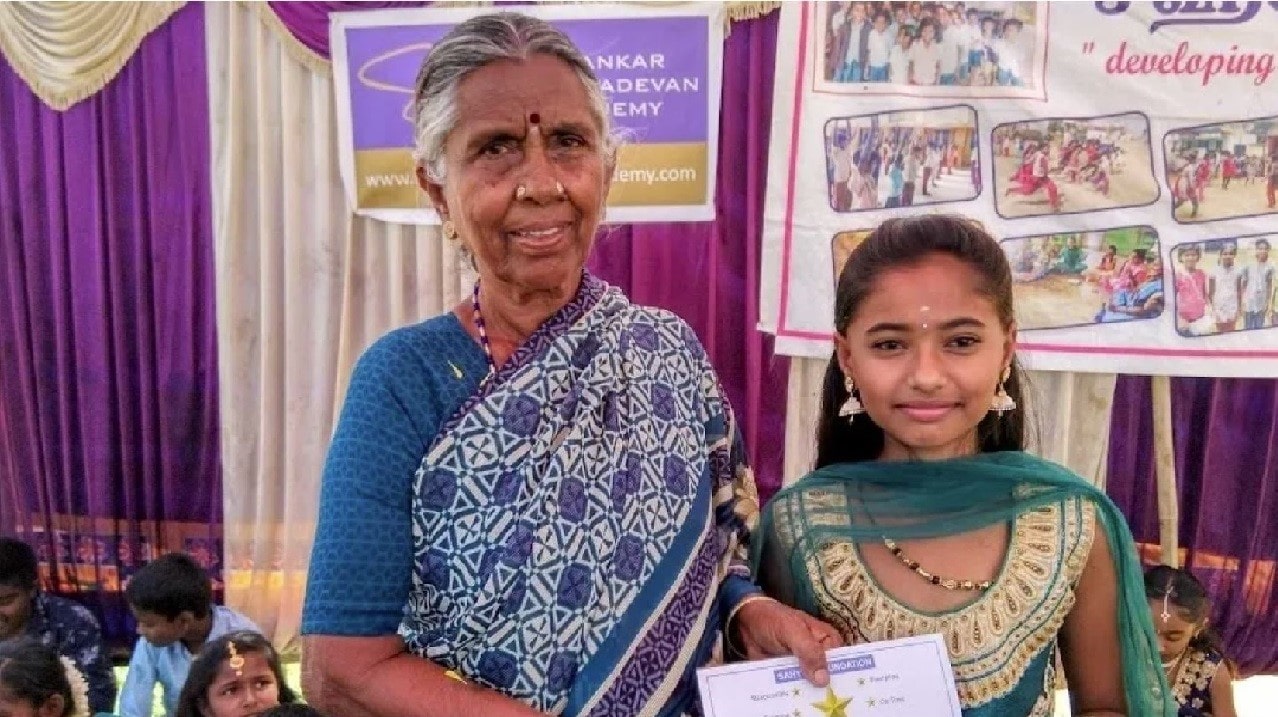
(57,623)
(172,600)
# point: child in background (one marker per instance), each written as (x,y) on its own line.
(35,681)
(237,675)
(1200,676)
(1258,287)
(880,49)
(1191,294)
(899,58)
(172,600)
(1224,289)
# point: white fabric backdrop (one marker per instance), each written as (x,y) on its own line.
(1071,411)
(303,288)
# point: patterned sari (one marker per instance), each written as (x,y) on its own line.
(579,523)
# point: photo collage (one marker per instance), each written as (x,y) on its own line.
(1052,166)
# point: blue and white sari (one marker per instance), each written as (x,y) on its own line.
(579,523)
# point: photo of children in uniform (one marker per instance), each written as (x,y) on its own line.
(1222,171)
(1079,278)
(1225,285)
(996,46)
(1067,166)
(901,159)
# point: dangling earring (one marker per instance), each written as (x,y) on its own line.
(1001,403)
(449,230)
(852,406)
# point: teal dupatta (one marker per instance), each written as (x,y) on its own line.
(869,501)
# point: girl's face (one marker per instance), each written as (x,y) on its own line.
(1175,632)
(245,694)
(11,706)
(1190,260)
(927,351)
(1227,256)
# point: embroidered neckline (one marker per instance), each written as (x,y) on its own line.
(993,639)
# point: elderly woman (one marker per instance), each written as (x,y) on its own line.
(537,502)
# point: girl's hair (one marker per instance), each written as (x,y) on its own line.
(205,666)
(1190,249)
(33,673)
(1180,589)
(900,243)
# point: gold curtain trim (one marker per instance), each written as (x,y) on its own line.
(736,11)
(68,51)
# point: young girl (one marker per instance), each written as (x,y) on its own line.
(36,682)
(1199,673)
(1191,294)
(237,675)
(925,515)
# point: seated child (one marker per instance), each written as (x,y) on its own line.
(237,674)
(35,681)
(172,600)
(57,623)
(1198,672)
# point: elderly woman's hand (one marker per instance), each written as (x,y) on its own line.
(766,628)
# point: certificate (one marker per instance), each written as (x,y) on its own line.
(898,678)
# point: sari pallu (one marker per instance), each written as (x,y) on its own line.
(574,523)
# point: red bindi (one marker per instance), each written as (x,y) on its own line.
(534,118)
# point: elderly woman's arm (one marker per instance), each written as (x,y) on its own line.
(362,561)
(376,677)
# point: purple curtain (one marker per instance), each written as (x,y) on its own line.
(108,387)
(308,21)
(708,273)
(1226,442)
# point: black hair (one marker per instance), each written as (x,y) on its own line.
(33,673)
(1184,592)
(905,242)
(169,586)
(1262,244)
(1189,248)
(1141,254)
(205,666)
(17,564)
(292,709)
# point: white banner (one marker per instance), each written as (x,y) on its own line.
(1114,148)
(661,68)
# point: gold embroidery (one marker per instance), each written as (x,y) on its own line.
(993,640)
(1195,672)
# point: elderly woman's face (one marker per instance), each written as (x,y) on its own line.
(536,238)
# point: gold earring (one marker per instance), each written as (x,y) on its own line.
(1001,403)
(852,406)
(559,187)
(449,230)
(521,191)
(236,661)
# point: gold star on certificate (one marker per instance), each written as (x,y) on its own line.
(832,705)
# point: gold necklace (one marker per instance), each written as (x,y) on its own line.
(946,583)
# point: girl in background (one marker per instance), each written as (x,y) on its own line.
(1200,675)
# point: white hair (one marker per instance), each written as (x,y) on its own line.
(473,44)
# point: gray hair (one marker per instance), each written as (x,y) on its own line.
(473,44)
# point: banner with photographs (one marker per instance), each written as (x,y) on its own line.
(661,68)
(1125,154)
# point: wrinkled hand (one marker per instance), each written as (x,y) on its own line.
(766,628)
